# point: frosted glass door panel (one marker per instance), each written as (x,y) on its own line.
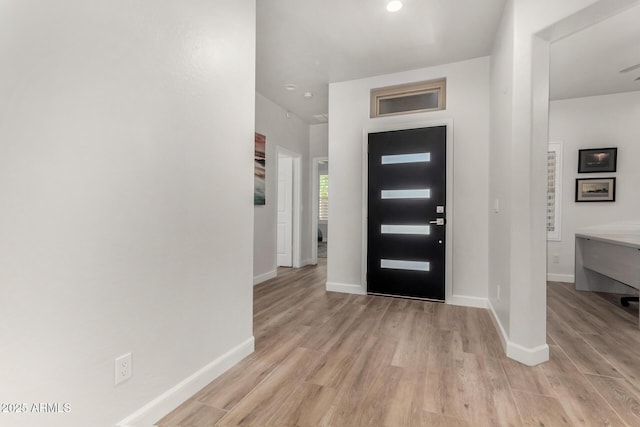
(424,193)
(405,229)
(406,158)
(404,265)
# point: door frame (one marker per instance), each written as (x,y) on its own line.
(384,127)
(296,159)
(315,190)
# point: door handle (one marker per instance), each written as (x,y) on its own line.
(439,221)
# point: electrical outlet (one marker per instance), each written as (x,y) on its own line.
(498,296)
(123,368)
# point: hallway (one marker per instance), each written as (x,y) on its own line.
(340,360)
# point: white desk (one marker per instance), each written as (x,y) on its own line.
(608,261)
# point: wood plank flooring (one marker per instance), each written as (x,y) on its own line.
(329,359)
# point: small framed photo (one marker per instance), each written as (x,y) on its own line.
(596,190)
(595,160)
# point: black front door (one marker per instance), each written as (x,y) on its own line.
(406,211)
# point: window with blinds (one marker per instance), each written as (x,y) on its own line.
(323,198)
(554,190)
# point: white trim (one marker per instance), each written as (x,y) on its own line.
(528,356)
(415,124)
(307,261)
(467,301)
(314,207)
(345,288)
(498,325)
(565,278)
(153,411)
(297,201)
(264,277)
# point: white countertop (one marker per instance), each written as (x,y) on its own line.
(630,240)
(625,234)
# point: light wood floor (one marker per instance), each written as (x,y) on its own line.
(341,360)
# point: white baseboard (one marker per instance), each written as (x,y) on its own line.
(525,355)
(264,277)
(466,301)
(306,262)
(502,334)
(345,288)
(528,356)
(153,411)
(565,278)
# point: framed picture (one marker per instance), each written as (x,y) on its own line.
(595,160)
(596,190)
(259,160)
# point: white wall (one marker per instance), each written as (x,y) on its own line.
(293,134)
(594,122)
(126,141)
(519,135)
(468,106)
(319,140)
(502,58)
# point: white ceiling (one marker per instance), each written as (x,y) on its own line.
(310,43)
(588,63)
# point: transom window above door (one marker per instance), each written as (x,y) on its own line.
(408,98)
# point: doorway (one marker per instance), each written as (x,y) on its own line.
(288,208)
(406,227)
(320,206)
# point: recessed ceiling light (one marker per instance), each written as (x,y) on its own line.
(290,87)
(394,6)
(308,95)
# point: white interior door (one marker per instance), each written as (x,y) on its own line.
(285,211)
